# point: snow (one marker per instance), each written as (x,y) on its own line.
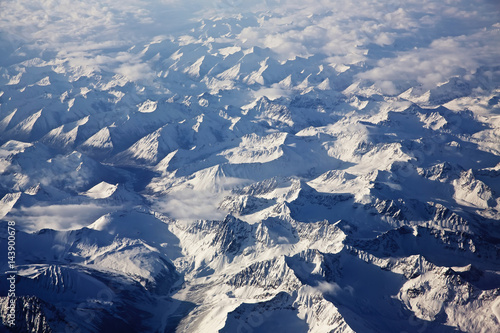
(100,140)
(204,166)
(148,106)
(101,191)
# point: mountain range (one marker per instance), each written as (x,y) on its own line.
(280,166)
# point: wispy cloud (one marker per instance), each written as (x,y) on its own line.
(442,59)
(191,205)
(58,217)
(423,42)
(417,43)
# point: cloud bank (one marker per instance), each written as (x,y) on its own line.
(58,217)
(395,43)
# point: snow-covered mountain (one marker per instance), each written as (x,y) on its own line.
(274,166)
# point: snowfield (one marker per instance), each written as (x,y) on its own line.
(273,166)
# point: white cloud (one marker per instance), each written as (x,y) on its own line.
(436,40)
(328,288)
(135,72)
(58,217)
(443,59)
(191,205)
(451,37)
